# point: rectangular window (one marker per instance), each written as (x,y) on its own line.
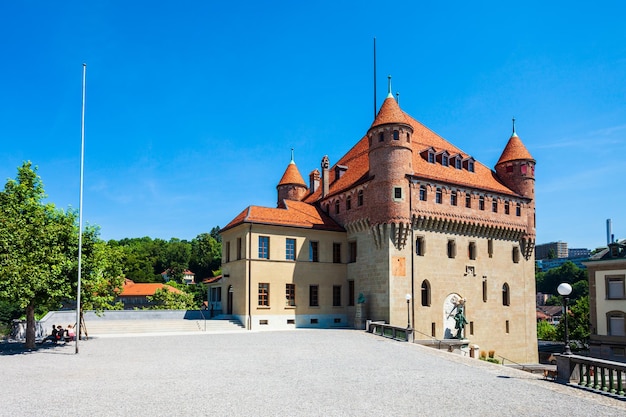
(481,203)
(438,196)
(227,252)
(336,295)
(494,205)
(396,135)
(290,249)
(422,193)
(616,325)
(264,294)
(352,248)
(420,246)
(350,293)
(348,203)
(313,251)
(516,254)
(360,198)
(264,247)
(506,207)
(337,253)
(453,198)
(451,249)
(431,157)
(444,160)
(290,295)
(518,210)
(381,137)
(397,193)
(238,248)
(507,325)
(472,250)
(490,248)
(468,200)
(314,296)
(216,294)
(615,287)
(457,163)
(471,329)
(337,207)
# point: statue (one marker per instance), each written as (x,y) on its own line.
(459,318)
(361,299)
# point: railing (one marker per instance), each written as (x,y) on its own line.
(596,374)
(204,317)
(380,328)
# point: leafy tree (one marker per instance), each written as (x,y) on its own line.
(35,241)
(177,256)
(215,234)
(206,255)
(546,331)
(166,299)
(547,282)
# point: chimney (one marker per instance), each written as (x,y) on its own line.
(325,175)
(314,180)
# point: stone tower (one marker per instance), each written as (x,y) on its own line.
(390,160)
(516,169)
(291,186)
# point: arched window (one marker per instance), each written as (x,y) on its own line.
(337,207)
(506,296)
(425,293)
(348,203)
(360,198)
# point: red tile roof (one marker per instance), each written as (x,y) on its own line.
(292,176)
(514,150)
(293,213)
(132,289)
(390,112)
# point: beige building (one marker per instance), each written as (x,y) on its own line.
(403,214)
(607,302)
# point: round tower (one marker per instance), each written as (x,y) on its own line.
(516,169)
(291,186)
(390,159)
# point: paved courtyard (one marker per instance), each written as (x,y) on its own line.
(289,373)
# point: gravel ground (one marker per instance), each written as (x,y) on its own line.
(289,373)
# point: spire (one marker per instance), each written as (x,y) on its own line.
(398,97)
(514,134)
(292,175)
(389,93)
(292,161)
(514,149)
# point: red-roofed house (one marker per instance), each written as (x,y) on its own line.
(135,295)
(403,212)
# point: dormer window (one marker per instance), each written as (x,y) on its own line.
(457,163)
(444,160)
(470,166)
(431,157)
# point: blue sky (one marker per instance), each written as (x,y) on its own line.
(193,107)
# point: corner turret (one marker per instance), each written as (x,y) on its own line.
(291,185)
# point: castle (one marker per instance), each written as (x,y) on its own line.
(404,222)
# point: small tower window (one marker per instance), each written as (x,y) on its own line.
(425,293)
(348,202)
(337,207)
(396,135)
(381,137)
(506,207)
(494,205)
(472,250)
(490,248)
(506,296)
(516,254)
(468,200)
(408,137)
(420,246)
(518,210)
(360,198)
(484,289)
(524,169)
(453,198)
(451,248)
(481,203)
(438,196)
(397,193)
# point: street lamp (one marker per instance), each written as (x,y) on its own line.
(408,310)
(564,289)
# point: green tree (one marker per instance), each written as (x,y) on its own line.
(166,299)
(206,256)
(35,241)
(177,256)
(547,282)
(546,331)
(578,322)
(215,234)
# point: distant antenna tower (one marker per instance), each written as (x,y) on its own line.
(609,234)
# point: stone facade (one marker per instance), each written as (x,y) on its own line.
(411,215)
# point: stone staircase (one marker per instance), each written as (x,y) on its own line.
(100,327)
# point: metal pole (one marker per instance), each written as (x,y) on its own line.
(80,210)
(567,351)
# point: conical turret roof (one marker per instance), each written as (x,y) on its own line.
(292,175)
(390,112)
(514,150)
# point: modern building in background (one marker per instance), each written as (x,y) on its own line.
(552,249)
(400,229)
(607,302)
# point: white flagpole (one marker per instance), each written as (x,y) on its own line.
(80,212)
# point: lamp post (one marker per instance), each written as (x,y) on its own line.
(564,289)
(408,310)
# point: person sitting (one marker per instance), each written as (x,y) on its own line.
(52,337)
(70,334)
(60,334)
